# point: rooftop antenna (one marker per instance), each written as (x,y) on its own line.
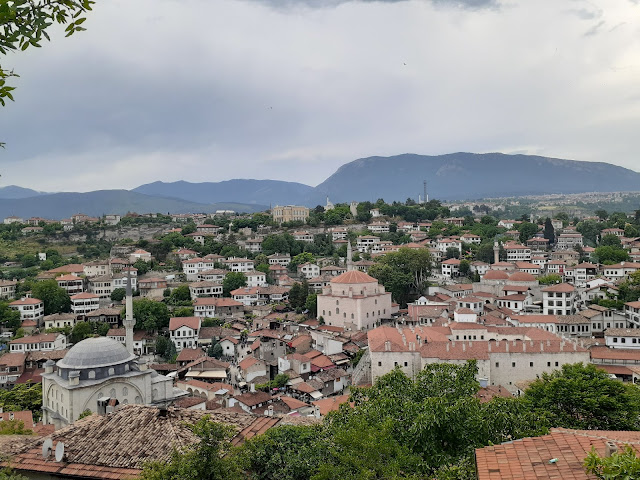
(59,452)
(47,446)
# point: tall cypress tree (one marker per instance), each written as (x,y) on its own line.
(549,232)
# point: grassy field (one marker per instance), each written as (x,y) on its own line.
(14,249)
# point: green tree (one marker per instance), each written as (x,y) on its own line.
(180,295)
(203,460)
(13,427)
(80,331)
(150,315)
(311,304)
(118,294)
(9,318)
(184,312)
(233,281)
(162,345)
(610,241)
(55,298)
(527,230)
(215,350)
(85,413)
(620,465)
(550,279)
(142,266)
(585,398)
(464,267)
(298,295)
(601,214)
(407,273)
(631,231)
(23,396)
(610,255)
(25,25)
(299,259)
(549,231)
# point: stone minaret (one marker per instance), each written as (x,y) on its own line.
(496,252)
(349,256)
(129,321)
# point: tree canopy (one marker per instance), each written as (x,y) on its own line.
(55,298)
(584,397)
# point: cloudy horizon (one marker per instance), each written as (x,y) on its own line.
(277,89)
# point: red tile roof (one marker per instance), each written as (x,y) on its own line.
(559,454)
(354,276)
(191,322)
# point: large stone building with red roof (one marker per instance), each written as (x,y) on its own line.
(505,355)
(354,301)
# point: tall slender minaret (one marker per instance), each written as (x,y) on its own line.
(496,252)
(349,256)
(129,321)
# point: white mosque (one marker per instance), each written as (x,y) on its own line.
(97,374)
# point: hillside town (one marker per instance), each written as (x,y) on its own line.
(277,318)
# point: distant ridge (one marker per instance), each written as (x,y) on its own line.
(14,192)
(454,176)
(263,192)
(100,202)
(459,176)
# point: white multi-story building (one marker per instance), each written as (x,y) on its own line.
(451,267)
(559,299)
(184,331)
(43,342)
(378,227)
(239,264)
(192,267)
(256,278)
(205,289)
(29,308)
(517,252)
(279,259)
(568,241)
(303,236)
(85,302)
(308,270)
(365,242)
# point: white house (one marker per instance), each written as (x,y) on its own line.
(29,308)
(85,302)
(184,331)
(44,342)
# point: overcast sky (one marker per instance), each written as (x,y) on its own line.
(209,90)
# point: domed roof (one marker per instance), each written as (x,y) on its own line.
(522,277)
(354,276)
(496,275)
(96,352)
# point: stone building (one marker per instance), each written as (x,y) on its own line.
(354,301)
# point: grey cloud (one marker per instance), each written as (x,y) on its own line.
(469,4)
(595,29)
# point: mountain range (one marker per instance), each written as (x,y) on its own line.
(455,176)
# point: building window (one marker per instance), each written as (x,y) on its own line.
(556,364)
(513,364)
(548,364)
(497,364)
(379,364)
(531,364)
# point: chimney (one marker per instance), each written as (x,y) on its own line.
(253,388)
(464,347)
(447,346)
(610,448)
(74,377)
(489,345)
(483,382)
(524,347)
(102,405)
(507,344)
(542,346)
(48,366)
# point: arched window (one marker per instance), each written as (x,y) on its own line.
(92,374)
(125,391)
(138,399)
(337,310)
(112,393)
(112,371)
(352,316)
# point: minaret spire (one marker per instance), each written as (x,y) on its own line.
(349,256)
(129,321)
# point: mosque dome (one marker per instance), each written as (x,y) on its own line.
(94,353)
